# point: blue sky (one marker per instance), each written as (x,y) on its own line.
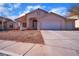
(14,10)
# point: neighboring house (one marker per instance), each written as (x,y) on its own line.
(21,22)
(77,21)
(43,20)
(6,24)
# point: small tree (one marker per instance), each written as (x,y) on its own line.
(74,11)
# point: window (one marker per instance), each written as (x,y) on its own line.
(24,24)
(11,26)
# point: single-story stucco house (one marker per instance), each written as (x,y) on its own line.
(42,20)
(6,24)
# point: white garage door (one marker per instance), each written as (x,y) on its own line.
(50,25)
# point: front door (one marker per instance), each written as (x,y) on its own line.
(34,24)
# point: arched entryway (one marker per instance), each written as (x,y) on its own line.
(33,24)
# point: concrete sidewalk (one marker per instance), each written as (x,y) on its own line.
(28,49)
(15,48)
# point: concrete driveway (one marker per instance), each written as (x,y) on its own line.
(56,43)
(62,42)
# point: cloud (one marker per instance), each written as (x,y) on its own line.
(2,4)
(59,10)
(3,11)
(2,8)
(7,11)
(12,17)
(13,6)
(16,5)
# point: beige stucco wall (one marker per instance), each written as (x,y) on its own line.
(70,24)
(34,15)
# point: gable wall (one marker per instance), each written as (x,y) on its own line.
(37,14)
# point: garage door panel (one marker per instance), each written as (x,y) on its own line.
(50,25)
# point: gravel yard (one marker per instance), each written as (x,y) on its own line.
(28,36)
